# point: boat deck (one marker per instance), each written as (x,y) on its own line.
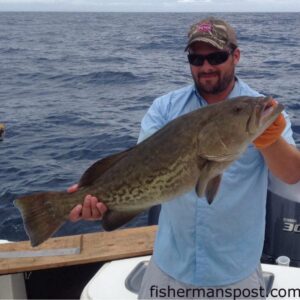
(92,247)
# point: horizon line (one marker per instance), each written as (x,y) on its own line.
(99,11)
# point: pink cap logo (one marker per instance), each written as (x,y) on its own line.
(204,27)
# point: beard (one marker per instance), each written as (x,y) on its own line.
(213,86)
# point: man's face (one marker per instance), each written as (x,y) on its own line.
(213,79)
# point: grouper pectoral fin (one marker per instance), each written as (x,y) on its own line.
(212,188)
(115,219)
(201,187)
(208,188)
(210,178)
(100,166)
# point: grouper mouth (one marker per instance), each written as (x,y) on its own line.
(265,112)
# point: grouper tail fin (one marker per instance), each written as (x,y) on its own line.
(41,214)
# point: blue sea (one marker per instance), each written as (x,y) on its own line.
(75,86)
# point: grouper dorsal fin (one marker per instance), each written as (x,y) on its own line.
(101,166)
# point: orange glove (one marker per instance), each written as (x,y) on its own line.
(271,134)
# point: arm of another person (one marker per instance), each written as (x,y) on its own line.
(92,208)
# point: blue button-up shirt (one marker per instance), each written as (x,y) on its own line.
(221,243)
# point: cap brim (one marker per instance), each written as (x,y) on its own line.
(205,40)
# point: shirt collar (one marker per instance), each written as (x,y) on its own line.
(201,100)
(236,91)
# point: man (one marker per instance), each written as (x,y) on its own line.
(216,247)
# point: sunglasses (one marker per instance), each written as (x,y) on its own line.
(215,58)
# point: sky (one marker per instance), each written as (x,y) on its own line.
(152,5)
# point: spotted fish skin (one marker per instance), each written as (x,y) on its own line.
(190,152)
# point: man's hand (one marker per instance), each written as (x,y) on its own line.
(91,210)
(272,133)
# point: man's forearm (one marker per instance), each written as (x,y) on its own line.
(283,161)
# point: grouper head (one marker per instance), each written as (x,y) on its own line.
(236,123)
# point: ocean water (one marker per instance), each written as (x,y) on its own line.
(75,86)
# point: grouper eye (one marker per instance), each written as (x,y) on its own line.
(237,109)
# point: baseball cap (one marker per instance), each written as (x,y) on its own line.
(213,31)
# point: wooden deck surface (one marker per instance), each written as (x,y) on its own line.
(94,247)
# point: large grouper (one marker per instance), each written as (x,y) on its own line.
(190,152)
